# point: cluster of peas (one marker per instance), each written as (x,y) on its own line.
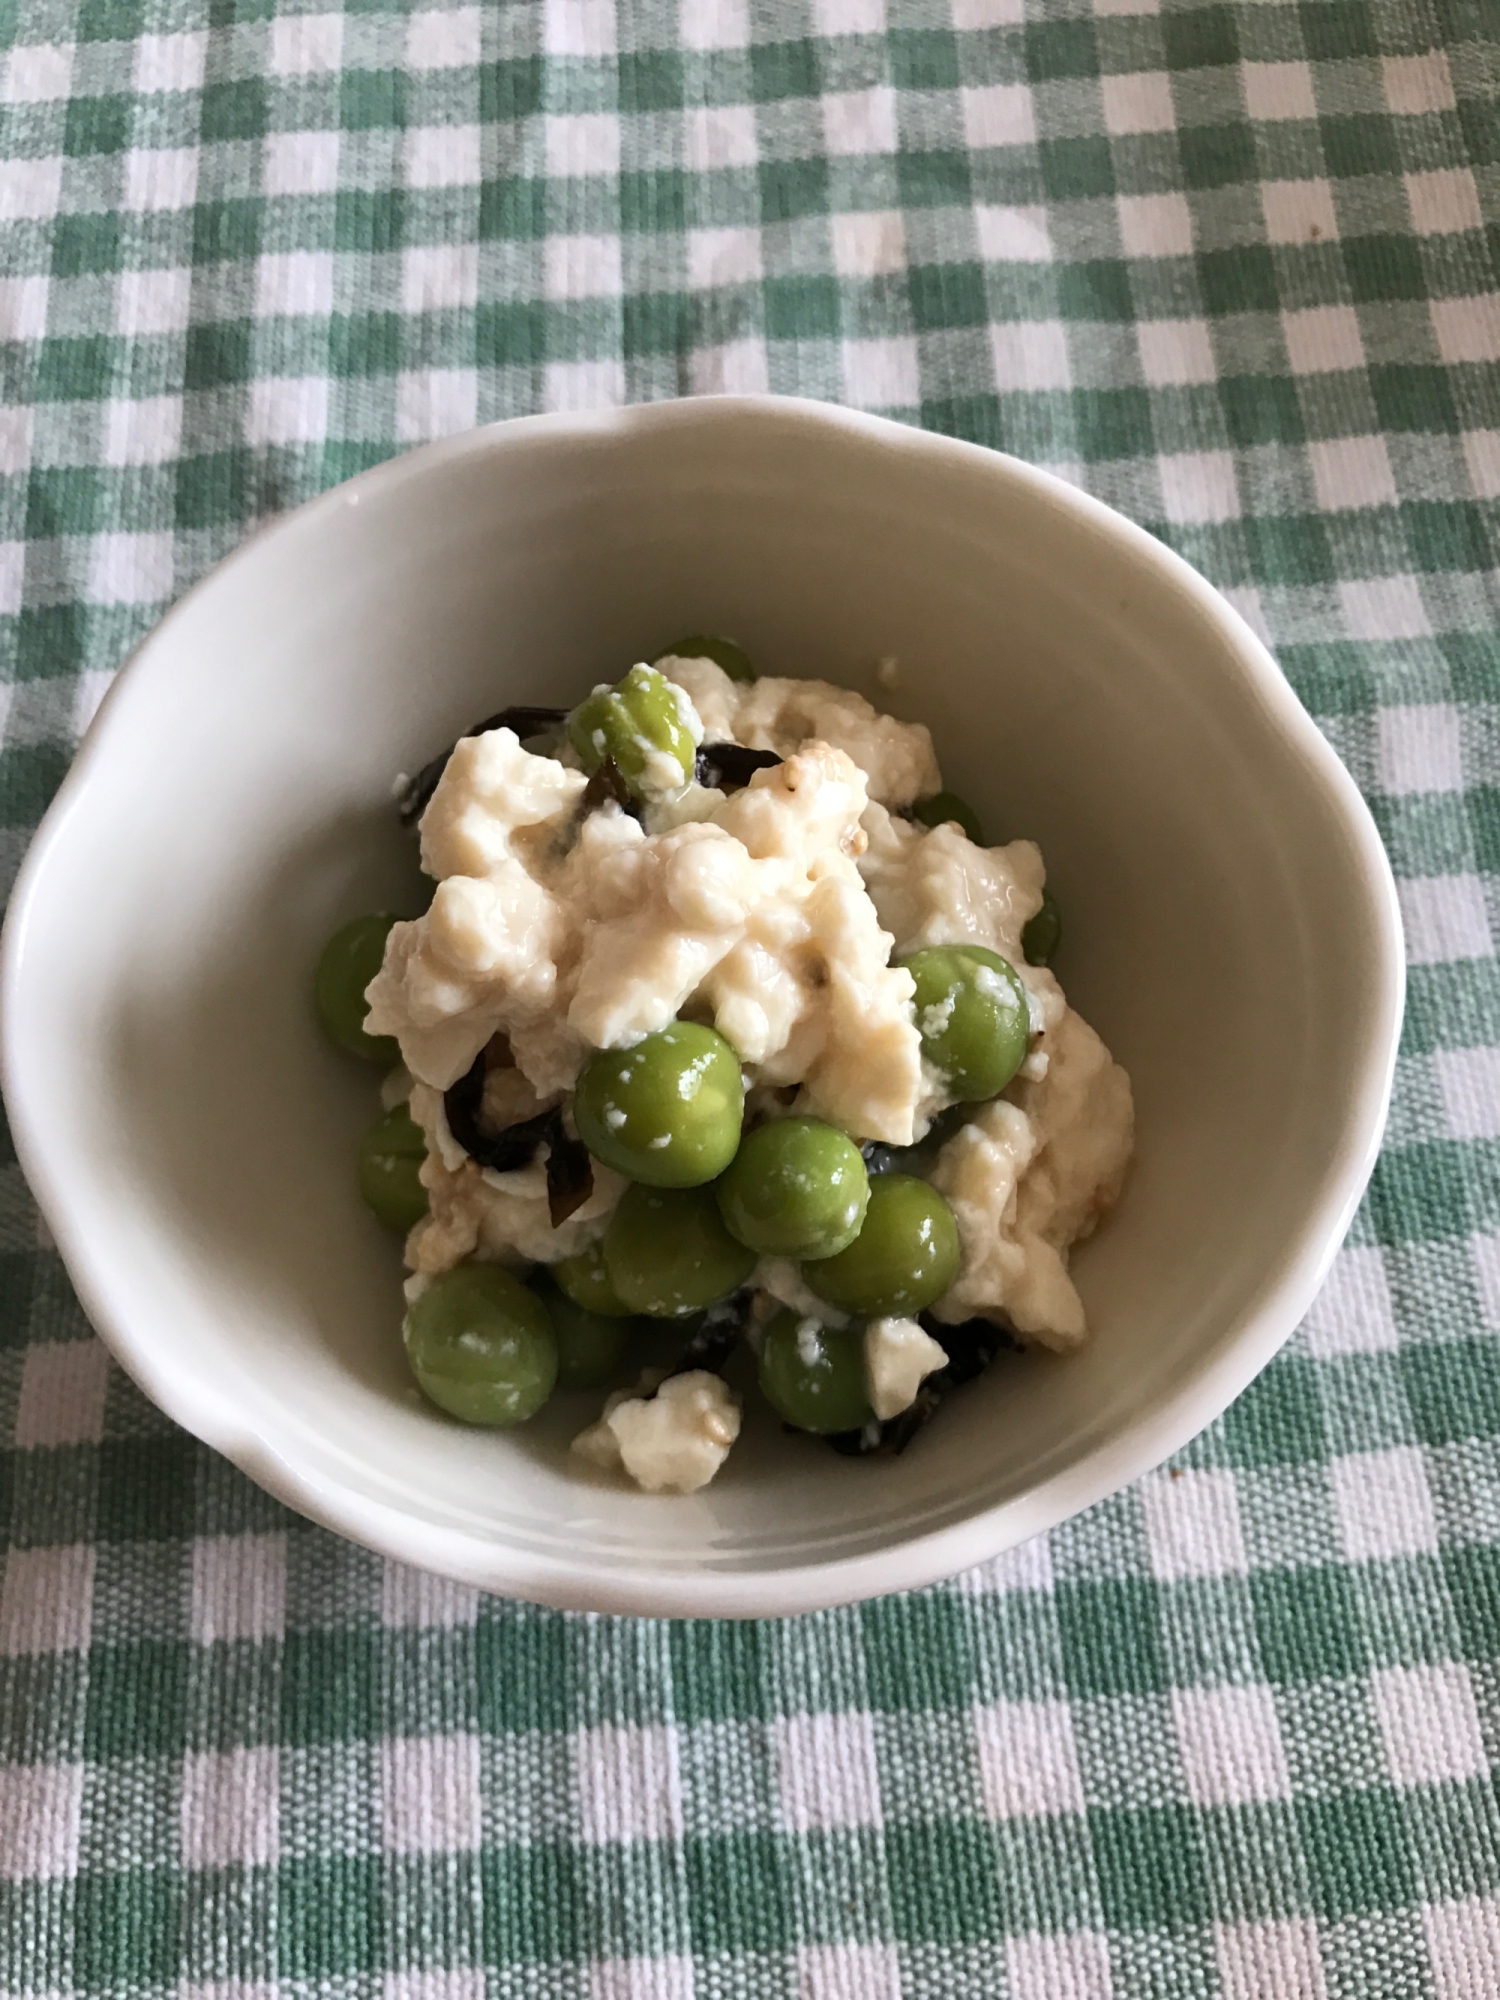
(706,1199)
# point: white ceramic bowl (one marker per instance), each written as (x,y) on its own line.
(1231,930)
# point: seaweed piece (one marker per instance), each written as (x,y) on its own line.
(970,1346)
(570,1170)
(503,1152)
(607,783)
(730,766)
(525,720)
(716,1336)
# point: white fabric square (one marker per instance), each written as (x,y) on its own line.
(585,142)
(1175,351)
(443,38)
(583,385)
(152,301)
(12,575)
(142,431)
(583,267)
(1353,1313)
(288,409)
(230,1807)
(1383,1504)
(170,62)
(1419,748)
(869,242)
(307,44)
(1013,235)
(157,179)
(578,28)
(436,402)
(300,163)
(1463,1945)
(1429,1723)
(669,1978)
(1140,101)
(436,276)
(38,73)
(629,1786)
(1279,90)
(30,190)
(1059,1967)
(415,1597)
(738,368)
(860,121)
(882,374)
(239,1588)
(1445,918)
(23,307)
(442,155)
(1299,211)
(1444,201)
(1322,339)
(1484,1255)
(41,1809)
(1352,472)
(46,1600)
(826,1771)
(1276,1958)
(974,14)
(714,24)
(430,1800)
(1155,225)
(848,1972)
(63,1387)
(1469,1085)
(1384,607)
(1193,1524)
(849,17)
(1467,329)
(130,569)
(723,257)
(1230,1742)
(17,424)
(1482,457)
(998,114)
(721,136)
(1028,1759)
(1246,600)
(1417,84)
(1028,1566)
(1199,486)
(294,283)
(88,691)
(415,1982)
(1030,354)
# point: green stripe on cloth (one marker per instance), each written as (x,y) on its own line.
(1232,268)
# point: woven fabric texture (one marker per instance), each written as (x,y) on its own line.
(1233,268)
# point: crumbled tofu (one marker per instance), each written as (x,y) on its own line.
(672,1442)
(899,1356)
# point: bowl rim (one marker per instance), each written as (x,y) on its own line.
(644,1589)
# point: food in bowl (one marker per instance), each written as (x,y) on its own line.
(724,1036)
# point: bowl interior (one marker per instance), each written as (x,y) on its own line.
(191,1136)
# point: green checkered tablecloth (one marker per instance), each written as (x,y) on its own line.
(1231,266)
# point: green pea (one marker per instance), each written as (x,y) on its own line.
(1043,933)
(351,958)
(668,1253)
(795,1188)
(972,1016)
(904,1258)
(665,1111)
(482,1346)
(638,723)
(586,1282)
(814,1375)
(945,806)
(724,653)
(591,1349)
(390,1155)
